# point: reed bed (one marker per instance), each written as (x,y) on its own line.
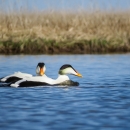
(72,32)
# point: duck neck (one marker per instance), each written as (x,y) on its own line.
(61,78)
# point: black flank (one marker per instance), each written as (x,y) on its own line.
(31,84)
(12,79)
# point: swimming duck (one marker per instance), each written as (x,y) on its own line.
(62,79)
(40,70)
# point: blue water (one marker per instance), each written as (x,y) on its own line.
(100,102)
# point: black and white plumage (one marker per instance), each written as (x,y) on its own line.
(40,70)
(43,80)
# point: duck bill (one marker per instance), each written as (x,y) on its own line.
(79,75)
(41,71)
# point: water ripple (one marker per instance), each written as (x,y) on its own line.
(101,101)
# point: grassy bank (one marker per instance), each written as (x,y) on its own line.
(54,32)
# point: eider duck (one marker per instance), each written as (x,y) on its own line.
(40,70)
(43,80)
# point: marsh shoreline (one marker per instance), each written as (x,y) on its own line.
(52,32)
(42,46)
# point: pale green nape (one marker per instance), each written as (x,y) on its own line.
(64,71)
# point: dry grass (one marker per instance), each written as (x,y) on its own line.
(111,26)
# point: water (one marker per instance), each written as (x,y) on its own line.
(101,101)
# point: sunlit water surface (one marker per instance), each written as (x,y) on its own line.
(101,101)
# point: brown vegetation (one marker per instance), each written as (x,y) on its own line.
(65,32)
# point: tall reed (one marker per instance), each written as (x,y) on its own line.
(64,26)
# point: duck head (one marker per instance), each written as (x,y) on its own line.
(68,69)
(40,69)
